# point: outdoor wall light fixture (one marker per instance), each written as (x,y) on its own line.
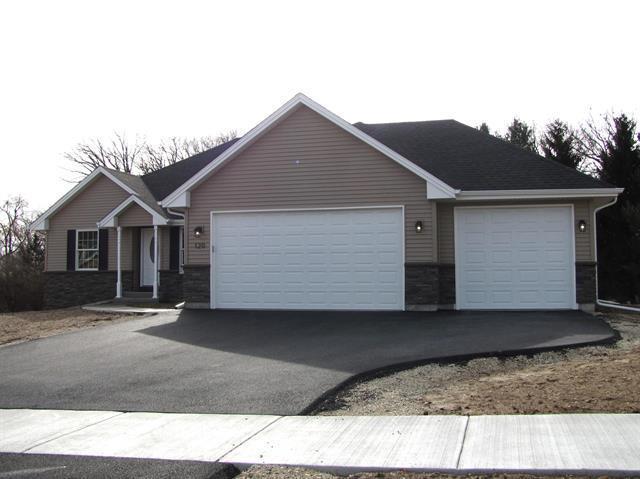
(582,226)
(197,232)
(418,226)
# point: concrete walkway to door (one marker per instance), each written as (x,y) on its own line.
(260,362)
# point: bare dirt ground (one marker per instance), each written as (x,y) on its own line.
(590,379)
(28,325)
(277,472)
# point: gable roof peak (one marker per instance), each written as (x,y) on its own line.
(180,197)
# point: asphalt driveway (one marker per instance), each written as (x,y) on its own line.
(257,362)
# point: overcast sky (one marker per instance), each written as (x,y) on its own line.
(71,71)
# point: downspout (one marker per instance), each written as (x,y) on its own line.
(602,302)
(177,213)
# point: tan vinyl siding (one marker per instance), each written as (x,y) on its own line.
(582,210)
(584,246)
(125,253)
(445,233)
(308,162)
(135,215)
(82,212)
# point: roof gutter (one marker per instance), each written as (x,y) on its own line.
(537,194)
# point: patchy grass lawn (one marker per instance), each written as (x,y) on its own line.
(590,379)
(28,325)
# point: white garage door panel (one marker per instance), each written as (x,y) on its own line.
(514,258)
(334,259)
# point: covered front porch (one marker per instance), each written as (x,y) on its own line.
(148,253)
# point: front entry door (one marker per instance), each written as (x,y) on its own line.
(147,266)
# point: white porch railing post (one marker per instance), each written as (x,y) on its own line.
(155,261)
(119,280)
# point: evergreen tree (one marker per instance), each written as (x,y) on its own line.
(559,143)
(521,134)
(484,128)
(618,163)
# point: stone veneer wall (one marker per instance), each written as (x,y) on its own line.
(429,286)
(421,286)
(72,288)
(195,285)
(586,283)
(447,279)
(171,286)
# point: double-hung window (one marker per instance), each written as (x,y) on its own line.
(87,251)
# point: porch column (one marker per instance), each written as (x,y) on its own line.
(119,281)
(155,261)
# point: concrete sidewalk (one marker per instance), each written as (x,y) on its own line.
(559,444)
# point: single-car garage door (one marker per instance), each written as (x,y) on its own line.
(314,259)
(515,258)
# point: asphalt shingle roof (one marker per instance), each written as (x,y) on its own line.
(461,156)
(468,159)
(138,185)
(163,182)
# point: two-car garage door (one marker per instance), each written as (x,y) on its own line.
(515,258)
(314,259)
(506,258)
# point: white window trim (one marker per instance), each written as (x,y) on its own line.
(78,250)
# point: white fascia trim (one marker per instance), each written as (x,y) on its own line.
(42,222)
(300,99)
(538,194)
(109,221)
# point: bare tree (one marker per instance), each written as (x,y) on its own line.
(175,149)
(13,225)
(117,154)
(21,258)
(138,156)
(593,141)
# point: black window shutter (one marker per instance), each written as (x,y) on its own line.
(103,251)
(71,250)
(174,248)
